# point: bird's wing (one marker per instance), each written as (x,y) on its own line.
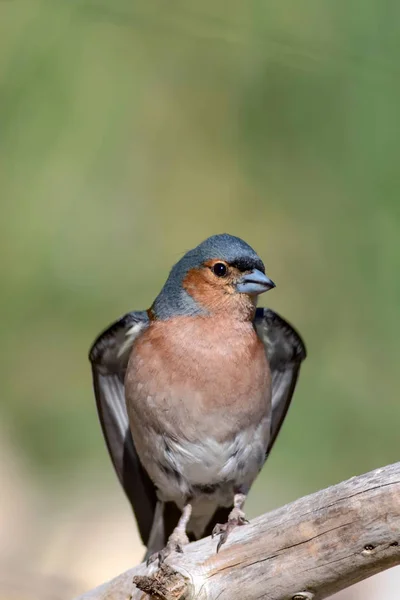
(286,351)
(109,357)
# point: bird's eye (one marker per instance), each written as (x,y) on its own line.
(220,269)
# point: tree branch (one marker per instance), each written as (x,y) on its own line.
(306,550)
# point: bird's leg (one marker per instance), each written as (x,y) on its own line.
(236,517)
(176,540)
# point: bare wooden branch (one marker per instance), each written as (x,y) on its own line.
(306,550)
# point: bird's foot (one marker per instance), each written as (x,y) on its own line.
(176,540)
(235,519)
(175,543)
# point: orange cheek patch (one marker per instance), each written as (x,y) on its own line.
(205,292)
(217,295)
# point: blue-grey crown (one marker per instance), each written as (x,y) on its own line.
(174,300)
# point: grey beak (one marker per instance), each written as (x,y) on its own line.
(254,283)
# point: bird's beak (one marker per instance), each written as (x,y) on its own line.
(254,283)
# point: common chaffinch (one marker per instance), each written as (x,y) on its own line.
(192,393)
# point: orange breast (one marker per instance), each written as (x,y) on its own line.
(198,376)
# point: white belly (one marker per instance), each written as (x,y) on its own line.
(208,468)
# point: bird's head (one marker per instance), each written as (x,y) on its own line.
(221,274)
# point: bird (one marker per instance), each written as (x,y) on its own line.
(192,393)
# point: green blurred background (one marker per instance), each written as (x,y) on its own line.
(130,131)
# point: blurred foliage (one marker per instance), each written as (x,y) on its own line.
(130,132)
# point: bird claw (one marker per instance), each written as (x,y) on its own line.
(236,519)
(173,545)
(152,558)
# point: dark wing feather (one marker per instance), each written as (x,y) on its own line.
(286,351)
(109,357)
